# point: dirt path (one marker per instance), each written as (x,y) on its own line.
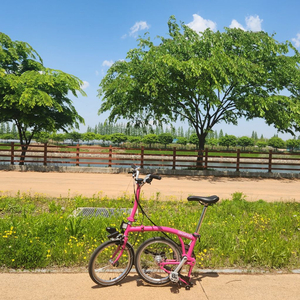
(212,286)
(170,187)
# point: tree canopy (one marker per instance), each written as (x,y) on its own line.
(35,98)
(206,79)
(228,140)
(245,141)
(150,139)
(276,142)
(292,144)
(165,138)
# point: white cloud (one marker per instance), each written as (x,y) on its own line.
(85,85)
(254,23)
(296,40)
(199,24)
(138,26)
(236,24)
(107,63)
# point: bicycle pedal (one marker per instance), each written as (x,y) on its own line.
(113,232)
(113,235)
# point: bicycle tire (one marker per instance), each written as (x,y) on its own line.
(150,254)
(102,271)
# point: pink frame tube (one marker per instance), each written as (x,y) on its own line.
(180,234)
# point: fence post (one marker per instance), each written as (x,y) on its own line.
(142,157)
(174,158)
(206,158)
(45,154)
(110,156)
(12,152)
(77,155)
(270,161)
(238,153)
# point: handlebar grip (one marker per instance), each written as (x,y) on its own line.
(155,177)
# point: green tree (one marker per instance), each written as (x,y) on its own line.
(193,139)
(118,138)
(150,139)
(261,144)
(35,98)
(180,132)
(182,140)
(58,137)
(212,142)
(7,136)
(165,138)
(210,135)
(88,136)
(276,142)
(245,141)
(14,131)
(206,79)
(42,137)
(99,137)
(134,140)
(254,136)
(221,134)
(2,128)
(74,136)
(292,144)
(228,141)
(8,128)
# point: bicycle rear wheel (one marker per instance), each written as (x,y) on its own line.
(153,252)
(103,267)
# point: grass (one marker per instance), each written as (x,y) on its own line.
(38,232)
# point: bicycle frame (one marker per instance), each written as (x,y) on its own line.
(187,255)
(158,260)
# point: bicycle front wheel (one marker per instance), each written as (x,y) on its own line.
(151,254)
(105,269)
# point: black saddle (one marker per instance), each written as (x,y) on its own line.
(204,200)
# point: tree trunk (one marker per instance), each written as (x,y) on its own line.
(201,144)
(23,155)
(24,140)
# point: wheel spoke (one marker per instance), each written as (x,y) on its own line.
(106,271)
(155,255)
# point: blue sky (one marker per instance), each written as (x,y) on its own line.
(84,38)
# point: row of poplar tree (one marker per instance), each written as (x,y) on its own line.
(108,129)
(150,135)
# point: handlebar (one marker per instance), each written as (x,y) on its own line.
(149,177)
(152,176)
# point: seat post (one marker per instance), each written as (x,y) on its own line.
(201,218)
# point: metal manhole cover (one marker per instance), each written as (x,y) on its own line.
(100,211)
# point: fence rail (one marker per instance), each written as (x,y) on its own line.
(166,158)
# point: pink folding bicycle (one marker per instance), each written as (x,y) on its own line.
(158,260)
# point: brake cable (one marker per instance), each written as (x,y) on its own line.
(144,214)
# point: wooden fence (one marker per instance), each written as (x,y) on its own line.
(164,158)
